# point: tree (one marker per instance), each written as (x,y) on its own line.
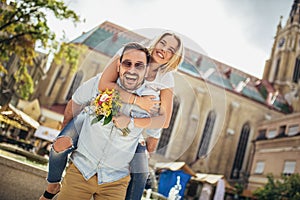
(69,53)
(287,188)
(23,24)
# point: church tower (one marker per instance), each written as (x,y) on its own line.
(282,69)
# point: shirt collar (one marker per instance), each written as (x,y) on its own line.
(138,91)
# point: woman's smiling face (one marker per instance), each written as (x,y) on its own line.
(165,49)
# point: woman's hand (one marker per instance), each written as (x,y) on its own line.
(148,103)
(121,121)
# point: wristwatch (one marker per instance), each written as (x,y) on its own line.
(131,123)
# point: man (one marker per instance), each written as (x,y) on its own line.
(100,165)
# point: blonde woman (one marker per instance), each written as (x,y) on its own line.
(166,55)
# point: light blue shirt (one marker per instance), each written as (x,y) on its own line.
(103,150)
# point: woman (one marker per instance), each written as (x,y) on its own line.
(167,53)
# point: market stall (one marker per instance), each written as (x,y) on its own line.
(17,127)
(193,185)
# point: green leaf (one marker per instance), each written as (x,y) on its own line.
(100,117)
(107,119)
(97,119)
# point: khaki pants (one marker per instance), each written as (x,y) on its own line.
(75,187)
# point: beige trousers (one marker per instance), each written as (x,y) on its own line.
(75,187)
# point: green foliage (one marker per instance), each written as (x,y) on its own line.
(23,23)
(239,188)
(24,83)
(288,187)
(2,69)
(69,53)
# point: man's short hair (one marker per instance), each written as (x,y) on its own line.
(137,46)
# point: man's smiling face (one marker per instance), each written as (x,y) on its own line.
(132,69)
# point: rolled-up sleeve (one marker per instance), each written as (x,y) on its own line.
(87,91)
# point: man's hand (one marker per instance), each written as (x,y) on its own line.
(121,121)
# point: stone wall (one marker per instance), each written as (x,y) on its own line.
(20,181)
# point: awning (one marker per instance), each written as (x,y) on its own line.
(200,177)
(12,123)
(46,133)
(18,119)
(25,117)
(212,179)
(174,166)
(209,178)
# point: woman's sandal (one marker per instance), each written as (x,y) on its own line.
(49,195)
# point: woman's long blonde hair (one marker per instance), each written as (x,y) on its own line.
(177,58)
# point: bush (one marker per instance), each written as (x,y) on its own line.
(286,188)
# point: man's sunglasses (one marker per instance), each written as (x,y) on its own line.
(128,64)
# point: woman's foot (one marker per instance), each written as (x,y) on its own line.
(51,191)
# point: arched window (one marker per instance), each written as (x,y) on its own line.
(54,81)
(206,135)
(240,152)
(166,133)
(296,75)
(277,69)
(76,82)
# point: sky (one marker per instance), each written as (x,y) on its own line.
(239,33)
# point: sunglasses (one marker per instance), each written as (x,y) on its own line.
(128,64)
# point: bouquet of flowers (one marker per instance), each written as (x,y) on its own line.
(106,105)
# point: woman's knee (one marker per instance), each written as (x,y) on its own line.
(62,144)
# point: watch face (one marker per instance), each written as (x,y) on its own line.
(281,42)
